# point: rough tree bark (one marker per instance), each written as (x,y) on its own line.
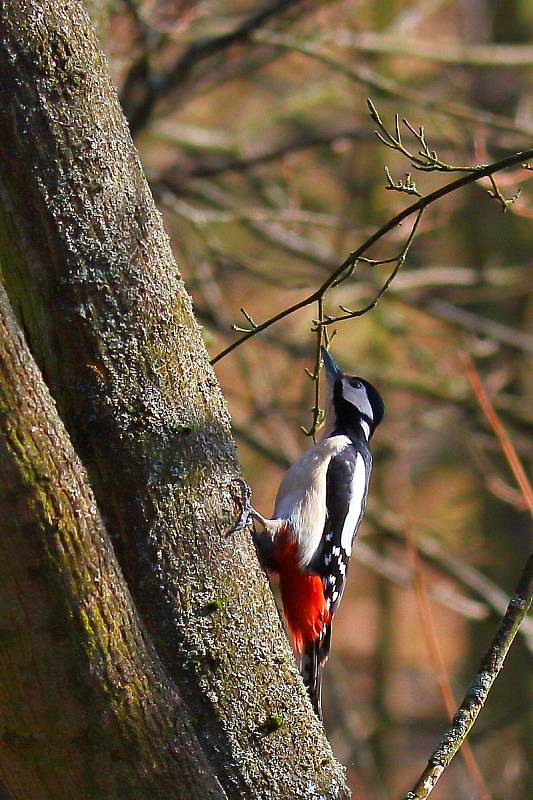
(89,271)
(71,639)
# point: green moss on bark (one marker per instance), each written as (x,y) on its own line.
(80,683)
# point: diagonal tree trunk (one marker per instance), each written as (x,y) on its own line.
(87,708)
(89,271)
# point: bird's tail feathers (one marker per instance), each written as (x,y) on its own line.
(314,656)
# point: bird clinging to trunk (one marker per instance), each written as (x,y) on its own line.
(318,510)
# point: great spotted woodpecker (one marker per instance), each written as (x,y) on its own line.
(318,510)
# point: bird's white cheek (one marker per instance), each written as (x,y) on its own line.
(358,398)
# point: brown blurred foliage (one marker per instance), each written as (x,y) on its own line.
(265,165)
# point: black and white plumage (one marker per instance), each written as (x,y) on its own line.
(318,510)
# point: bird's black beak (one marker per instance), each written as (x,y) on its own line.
(333,371)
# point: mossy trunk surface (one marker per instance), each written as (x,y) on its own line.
(88,710)
(89,272)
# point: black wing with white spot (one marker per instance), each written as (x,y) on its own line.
(346,491)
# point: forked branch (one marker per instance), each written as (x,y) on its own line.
(425,159)
(355,256)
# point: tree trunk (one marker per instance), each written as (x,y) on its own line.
(89,271)
(80,684)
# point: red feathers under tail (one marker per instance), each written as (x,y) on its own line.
(307,614)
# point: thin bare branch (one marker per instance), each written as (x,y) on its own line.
(425,159)
(477,694)
(424,202)
(400,260)
(435,653)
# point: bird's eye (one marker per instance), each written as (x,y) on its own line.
(354,383)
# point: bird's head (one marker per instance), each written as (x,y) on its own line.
(354,402)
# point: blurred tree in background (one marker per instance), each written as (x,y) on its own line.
(254,131)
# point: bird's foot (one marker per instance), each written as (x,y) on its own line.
(264,541)
(248,512)
(242,500)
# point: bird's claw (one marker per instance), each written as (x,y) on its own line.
(243,500)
